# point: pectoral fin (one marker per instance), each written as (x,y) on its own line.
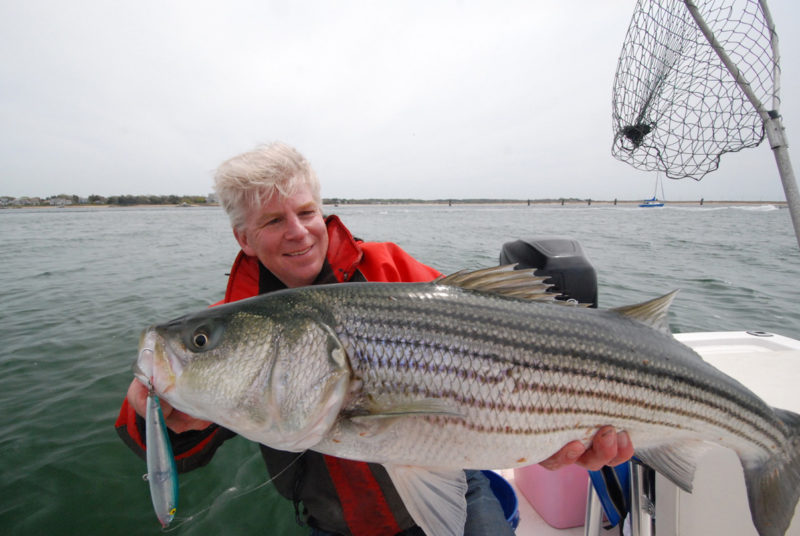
(429,407)
(435,498)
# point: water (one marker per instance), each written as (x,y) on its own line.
(78,286)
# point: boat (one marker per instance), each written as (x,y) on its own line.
(766,363)
(654,201)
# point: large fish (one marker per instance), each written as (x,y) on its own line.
(430,378)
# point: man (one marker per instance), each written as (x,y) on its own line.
(272,197)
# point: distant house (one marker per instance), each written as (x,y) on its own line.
(60,201)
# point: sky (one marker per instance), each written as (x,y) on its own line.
(414,99)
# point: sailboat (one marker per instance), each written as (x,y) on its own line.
(654,201)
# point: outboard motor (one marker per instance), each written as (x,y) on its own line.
(561,259)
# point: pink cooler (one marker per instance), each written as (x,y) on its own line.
(558,496)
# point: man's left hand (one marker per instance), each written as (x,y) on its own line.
(607,448)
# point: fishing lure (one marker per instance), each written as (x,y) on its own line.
(162,475)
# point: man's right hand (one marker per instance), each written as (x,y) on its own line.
(177,421)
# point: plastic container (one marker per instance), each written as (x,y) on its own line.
(559,497)
(504,492)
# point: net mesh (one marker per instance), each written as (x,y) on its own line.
(677,109)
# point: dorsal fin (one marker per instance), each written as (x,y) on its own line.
(502,280)
(652,313)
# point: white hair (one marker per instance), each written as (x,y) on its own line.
(246,180)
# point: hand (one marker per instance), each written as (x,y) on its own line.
(607,448)
(177,421)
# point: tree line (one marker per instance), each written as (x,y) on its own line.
(149,199)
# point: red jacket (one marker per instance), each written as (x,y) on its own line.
(345,496)
(377,261)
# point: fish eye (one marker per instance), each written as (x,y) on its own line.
(200,339)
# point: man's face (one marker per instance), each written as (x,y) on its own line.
(288,236)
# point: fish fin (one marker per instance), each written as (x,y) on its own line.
(434,497)
(652,313)
(502,280)
(374,419)
(773,485)
(677,462)
(426,407)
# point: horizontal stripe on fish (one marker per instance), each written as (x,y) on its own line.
(389,347)
(575,401)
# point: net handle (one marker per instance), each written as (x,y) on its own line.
(772,120)
(776,55)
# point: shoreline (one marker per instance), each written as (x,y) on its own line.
(550,202)
(454,202)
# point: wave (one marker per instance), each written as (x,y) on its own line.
(756,208)
(712,208)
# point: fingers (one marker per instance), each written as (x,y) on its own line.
(602,450)
(568,455)
(607,448)
(625,450)
(177,421)
(137,397)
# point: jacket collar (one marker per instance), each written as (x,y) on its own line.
(267,282)
(344,251)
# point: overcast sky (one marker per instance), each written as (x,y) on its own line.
(427,99)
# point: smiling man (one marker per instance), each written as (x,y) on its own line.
(288,236)
(272,197)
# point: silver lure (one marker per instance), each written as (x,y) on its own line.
(162,474)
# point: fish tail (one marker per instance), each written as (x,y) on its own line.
(773,486)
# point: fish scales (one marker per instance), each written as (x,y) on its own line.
(427,375)
(404,346)
(552,352)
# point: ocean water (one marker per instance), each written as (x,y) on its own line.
(79,285)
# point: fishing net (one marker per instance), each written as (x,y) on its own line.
(677,108)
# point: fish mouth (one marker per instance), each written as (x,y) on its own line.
(139,372)
(143,366)
(153,366)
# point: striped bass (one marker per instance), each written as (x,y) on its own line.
(431,378)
